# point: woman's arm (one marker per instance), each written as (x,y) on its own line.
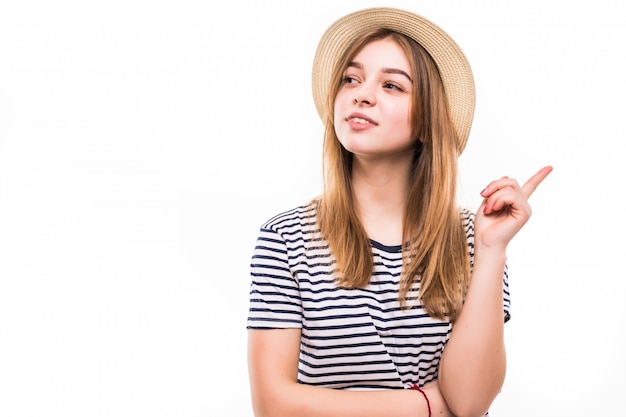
(473,364)
(273,365)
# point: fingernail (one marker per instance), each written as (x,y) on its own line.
(483,192)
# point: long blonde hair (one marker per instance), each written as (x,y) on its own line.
(435,251)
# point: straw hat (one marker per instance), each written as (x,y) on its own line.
(454,68)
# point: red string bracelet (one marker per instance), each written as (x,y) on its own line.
(416,387)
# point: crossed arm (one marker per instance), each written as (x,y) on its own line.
(273,366)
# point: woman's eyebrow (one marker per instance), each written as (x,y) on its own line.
(397,71)
(358,65)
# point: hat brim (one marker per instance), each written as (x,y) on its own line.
(455,71)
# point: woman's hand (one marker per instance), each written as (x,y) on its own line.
(505,210)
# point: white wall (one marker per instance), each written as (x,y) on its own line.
(142,143)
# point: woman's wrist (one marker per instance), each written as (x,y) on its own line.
(488,253)
(435,403)
(421,391)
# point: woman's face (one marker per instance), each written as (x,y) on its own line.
(373,105)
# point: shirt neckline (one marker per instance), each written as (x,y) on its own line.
(386,248)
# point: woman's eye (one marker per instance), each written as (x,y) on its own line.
(392,86)
(348,79)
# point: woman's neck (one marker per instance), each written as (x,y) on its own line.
(380,190)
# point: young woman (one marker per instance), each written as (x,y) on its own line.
(384,284)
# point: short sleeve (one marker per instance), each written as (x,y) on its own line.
(468,222)
(506,294)
(275,301)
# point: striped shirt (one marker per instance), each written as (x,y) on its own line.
(351,338)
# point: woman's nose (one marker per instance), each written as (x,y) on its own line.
(364,96)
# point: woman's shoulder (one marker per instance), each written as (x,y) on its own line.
(467,214)
(304,214)
(467,219)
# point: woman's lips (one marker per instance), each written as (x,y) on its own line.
(358,121)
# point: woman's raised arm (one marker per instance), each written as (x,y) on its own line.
(473,364)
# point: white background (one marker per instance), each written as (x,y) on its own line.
(142,144)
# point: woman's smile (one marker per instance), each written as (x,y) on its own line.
(359,121)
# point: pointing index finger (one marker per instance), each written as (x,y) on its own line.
(531,185)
